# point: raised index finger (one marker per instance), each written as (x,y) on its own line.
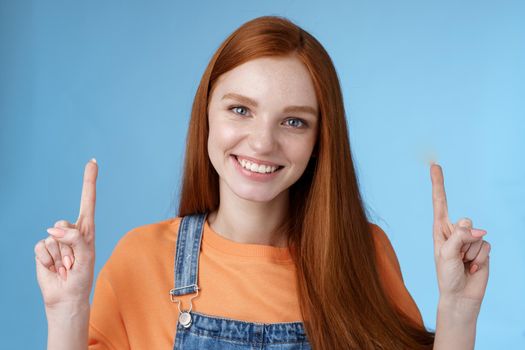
(439,198)
(89,193)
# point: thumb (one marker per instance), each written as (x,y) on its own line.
(64,223)
(72,237)
(462,235)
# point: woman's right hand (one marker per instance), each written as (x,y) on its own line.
(65,260)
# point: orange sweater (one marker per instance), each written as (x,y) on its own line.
(132,309)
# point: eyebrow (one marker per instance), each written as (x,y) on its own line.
(252,103)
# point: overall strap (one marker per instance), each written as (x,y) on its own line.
(187,254)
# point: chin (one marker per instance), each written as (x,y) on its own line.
(255,196)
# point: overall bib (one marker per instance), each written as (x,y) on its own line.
(196,331)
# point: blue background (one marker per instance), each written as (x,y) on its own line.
(115,80)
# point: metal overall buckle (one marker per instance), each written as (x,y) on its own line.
(184,316)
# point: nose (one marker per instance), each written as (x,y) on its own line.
(263,139)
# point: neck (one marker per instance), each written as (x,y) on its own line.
(250,222)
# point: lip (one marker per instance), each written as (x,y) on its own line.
(253,176)
(254,160)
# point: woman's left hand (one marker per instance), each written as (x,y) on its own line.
(461,254)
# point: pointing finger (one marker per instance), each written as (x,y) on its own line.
(87,201)
(439,198)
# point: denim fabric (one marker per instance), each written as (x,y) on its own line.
(212,332)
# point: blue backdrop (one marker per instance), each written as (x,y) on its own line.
(115,80)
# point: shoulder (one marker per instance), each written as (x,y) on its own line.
(391,275)
(384,249)
(145,241)
(152,233)
(378,234)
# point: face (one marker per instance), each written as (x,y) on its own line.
(263,120)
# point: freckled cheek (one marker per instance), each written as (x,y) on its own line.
(298,149)
(224,136)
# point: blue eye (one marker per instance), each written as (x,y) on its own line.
(236,109)
(243,111)
(295,125)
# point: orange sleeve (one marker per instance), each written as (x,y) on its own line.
(106,329)
(391,276)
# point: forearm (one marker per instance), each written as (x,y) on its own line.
(456,325)
(68,327)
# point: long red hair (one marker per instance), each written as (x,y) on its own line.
(341,296)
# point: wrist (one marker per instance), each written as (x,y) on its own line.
(67,309)
(68,326)
(461,310)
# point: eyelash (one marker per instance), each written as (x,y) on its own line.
(305,124)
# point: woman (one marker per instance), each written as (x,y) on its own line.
(288,259)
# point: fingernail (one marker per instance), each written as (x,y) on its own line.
(474,268)
(478,233)
(94,160)
(56,231)
(67,262)
(62,272)
(52,268)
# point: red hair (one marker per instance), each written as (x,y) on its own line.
(341,296)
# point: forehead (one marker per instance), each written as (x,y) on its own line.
(280,80)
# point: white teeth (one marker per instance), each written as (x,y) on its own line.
(256,168)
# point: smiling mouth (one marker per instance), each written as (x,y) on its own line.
(267,169)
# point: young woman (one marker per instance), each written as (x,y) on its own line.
(271,247)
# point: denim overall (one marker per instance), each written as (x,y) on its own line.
(200,331)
